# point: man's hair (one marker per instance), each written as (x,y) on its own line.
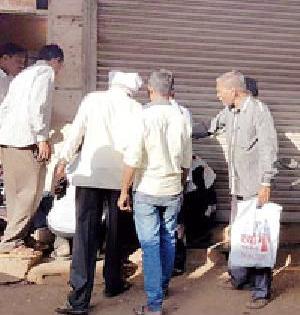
(171,78)
(51,51)
(161,82)
(11,49)
(233,80)
(252,86)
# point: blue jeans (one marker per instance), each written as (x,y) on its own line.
(155,220)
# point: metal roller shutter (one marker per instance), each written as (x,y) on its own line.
(199,40)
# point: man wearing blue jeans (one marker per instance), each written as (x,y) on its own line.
(159,157)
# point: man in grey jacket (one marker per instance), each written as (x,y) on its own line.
(252,150)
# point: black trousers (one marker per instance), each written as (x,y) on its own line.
(89,209)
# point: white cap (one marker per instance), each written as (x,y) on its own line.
(131,82)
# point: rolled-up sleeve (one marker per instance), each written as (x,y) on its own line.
(76,133)
(187,153)
(133,155)
(41,104)
(267,144)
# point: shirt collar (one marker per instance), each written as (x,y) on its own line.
(120,90)
(41,63)
(159,102)
(245,104)
(243,107)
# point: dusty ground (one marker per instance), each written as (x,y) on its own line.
(187,297)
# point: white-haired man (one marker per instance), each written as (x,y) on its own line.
(252,150)
(100,132)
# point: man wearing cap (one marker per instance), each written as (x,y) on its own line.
(100,132)
(12,62)
(25,116)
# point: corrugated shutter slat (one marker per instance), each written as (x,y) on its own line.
(199,40)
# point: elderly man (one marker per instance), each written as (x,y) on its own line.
(159,157)
(252,151)
(12,62)
(25,117)
(100,132)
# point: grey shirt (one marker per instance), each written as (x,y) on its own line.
(252,145)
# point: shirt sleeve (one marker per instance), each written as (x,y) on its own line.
(4,85)
(187,143)
(218,124)
(187,152)
(267,144)
(76,133)
(41,104)
(133,155)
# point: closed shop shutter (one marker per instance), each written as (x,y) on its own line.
(199,40)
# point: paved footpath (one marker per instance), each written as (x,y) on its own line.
(195,293)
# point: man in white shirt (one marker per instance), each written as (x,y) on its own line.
(159,158)
(12,62)
(25,116)
(101,131)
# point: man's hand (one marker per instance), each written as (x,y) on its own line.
(44,151)
(60,172)
(184,176)
(124,202)
(264,195)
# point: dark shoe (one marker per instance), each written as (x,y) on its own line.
(68,309)
(227,284)
(109,294)
(177,272)
(255,304)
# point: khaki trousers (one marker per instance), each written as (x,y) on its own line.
(24,179)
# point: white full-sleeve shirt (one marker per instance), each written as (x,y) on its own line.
(160,150)
(101,130)
(25,113)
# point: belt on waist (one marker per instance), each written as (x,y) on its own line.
(27,147)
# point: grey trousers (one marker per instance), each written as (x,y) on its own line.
(259,279)
(24,179)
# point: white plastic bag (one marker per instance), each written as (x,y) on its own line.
(255,234)
(61,218)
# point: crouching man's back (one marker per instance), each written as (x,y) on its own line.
(159,158)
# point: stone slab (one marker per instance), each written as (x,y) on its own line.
(41,273)
(18,265)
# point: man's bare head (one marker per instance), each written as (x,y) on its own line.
(12,58)
(229,86)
